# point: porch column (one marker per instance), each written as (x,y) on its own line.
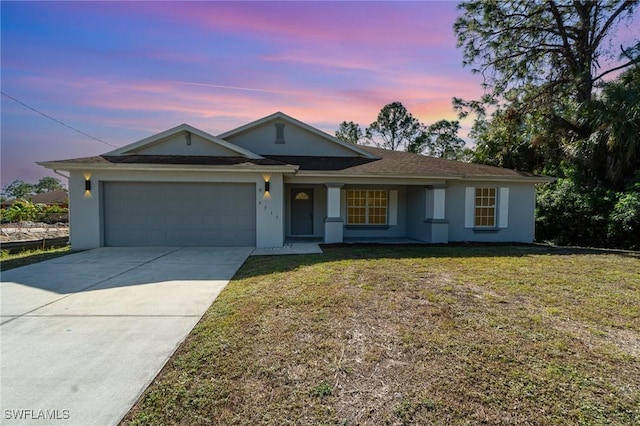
(438,225)
(333,223)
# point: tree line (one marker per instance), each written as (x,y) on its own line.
(559,99)
(396,128)
(21,210)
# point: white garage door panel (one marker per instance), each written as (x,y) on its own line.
(179,214)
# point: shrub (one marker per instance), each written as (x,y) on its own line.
(570,214)
(23,210)
(54,214)
(624,221)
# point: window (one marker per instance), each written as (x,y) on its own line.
(366,207)
(485,207)
(279,132)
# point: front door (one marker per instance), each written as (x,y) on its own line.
(301,211)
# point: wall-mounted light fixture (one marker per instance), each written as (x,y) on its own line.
(87,185)
(267,187)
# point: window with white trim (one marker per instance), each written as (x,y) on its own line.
(485,208)
(367,207)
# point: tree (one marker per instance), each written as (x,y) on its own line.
(48,184)
(555,47)
(548,108)
(612,152)
(624,221)
(18,189)
(440,140)
(349,132)
(541,62)
(395,128)
(507,138)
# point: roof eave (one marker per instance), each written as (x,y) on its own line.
(236,168)
(333,174)
(153,139)
(530,179)
(487,178)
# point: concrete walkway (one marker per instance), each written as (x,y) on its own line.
(287,249)
(83,335)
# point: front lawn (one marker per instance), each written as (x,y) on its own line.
(412,335)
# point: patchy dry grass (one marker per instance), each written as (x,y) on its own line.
(27,257)
(412,335)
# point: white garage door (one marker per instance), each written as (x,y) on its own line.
(179,214)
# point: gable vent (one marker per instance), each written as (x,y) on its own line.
(279,132)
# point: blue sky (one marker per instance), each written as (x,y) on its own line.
(122,71)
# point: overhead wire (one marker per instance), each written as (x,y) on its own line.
(58,121)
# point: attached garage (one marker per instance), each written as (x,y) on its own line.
(179,214)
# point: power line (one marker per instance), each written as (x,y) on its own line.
(58,121)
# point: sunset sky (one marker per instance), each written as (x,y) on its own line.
(124,71)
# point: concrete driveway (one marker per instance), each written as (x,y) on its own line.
(83,335)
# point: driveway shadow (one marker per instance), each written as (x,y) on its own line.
(194,268)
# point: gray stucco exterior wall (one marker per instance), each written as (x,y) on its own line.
(412,214)
(296,141)
(522,198)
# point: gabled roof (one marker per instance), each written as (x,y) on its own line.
(387,164)
(370,162)
(158,138)
(288,119)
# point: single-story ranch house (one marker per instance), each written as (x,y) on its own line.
(279,179)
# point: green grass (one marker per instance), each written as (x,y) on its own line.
(27,257)
(412,335)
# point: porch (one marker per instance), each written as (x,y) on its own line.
(355,212)
(293,241)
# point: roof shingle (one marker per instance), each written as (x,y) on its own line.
(397,163)
(390,163)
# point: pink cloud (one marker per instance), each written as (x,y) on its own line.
(351,62)
(220,65)
(203,104)
(317,32)
(370,23)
